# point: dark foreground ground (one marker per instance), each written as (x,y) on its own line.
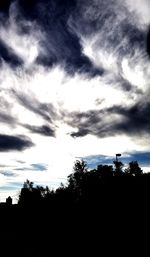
(113,220)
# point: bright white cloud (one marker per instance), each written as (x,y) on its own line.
(142,10)
(24,45)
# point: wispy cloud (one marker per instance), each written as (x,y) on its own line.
(44,130)
(8,173)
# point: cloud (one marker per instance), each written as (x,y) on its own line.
(57,43)
(8,55)
(78,68)
(19,39)
(136,121)
(63,27)
(6,118)
(4,6)
(94,160)
(8,173)
(44,130)
(33,167)
(110,23)
(139,9)
(39,166)
(131,121)
(32,104)
(148,42)
(14,143)
(142,157)
(10,187)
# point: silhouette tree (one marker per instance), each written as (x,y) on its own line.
(105,171)
(76,180)
(9,201)
(80,166)
(31,195)
(28,185)
(118,168)
(134,169)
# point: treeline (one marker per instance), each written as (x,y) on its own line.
(89,186)
(97,210)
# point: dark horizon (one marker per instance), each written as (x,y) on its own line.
(107,169)
(74,84)
(94,210)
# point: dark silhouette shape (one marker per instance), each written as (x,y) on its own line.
(148,42)
(32,196)
(81,215)
(134,169)
(9,201)
(14,143)
(80,166)
(105,171)
(4,6)
(118,167)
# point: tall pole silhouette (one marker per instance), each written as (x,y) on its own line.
(117,155)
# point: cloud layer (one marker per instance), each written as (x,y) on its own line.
(74,82)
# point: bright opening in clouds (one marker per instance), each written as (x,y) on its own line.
(74,83)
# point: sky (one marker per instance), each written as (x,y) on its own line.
(74,84)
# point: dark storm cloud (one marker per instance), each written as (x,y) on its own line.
(44,130)
(14,143)
(60,44)
(7,55)
(44,110)
(4,7)
(136,119)
(113,23)
(148,42)
(131,121)
(87,123)
(64,22)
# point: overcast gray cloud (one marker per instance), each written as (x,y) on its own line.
(112,121)
(43,130)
